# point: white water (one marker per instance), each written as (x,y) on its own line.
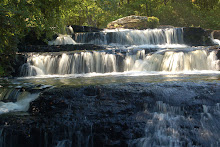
(62,40)
(216,41)
(163,46)
(164,128)
(173,61)
(20,105)
(102,62)
(84,62)
(132,37)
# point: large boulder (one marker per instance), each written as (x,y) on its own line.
(197,36)
(134,22)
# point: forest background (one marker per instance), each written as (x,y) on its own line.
(19,17)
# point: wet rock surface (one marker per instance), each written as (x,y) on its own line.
(118,115)
(59,48)
(216,34)
(197,36)
(77,28)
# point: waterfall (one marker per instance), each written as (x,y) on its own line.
(102,62)
(84,62)
(133,37)
(62,40)
(14,99)
(174,61)
(216,41)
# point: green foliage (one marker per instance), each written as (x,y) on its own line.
(153,22)
(18,17)
(1,71)
(206,4)
(186,13)
(182,13)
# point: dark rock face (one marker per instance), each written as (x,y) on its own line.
(77,28)
(197,36)
(84,116)
(216,34)
(117,115)
(59,48)
(19,61)
(218,54)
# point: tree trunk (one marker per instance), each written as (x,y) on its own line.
(146,5)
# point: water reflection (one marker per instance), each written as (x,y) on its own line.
(117,78)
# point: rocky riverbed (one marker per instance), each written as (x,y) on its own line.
(129,114)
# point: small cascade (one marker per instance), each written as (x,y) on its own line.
(84,62)
(168,125)
(174,61)
(132,37)
(62,40)
(216,41)
(102,62)
(15,99)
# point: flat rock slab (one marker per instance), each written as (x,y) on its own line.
(77,28)
(59,48)
(119,115)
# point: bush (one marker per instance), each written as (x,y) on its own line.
(153,22)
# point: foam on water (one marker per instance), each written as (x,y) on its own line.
(102,62)
(126,73)
(62,40)
(177,120)
(20,105)
(216,41)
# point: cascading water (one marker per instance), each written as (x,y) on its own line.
(164,127)
(15,99)
(170,114)
(62,40)
(133,37)
(84,62)
(173,61)
(102,62)
(214,40)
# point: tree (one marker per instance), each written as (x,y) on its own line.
(17,19)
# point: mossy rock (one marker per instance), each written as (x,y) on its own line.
(134,22)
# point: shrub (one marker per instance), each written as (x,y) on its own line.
(153,22)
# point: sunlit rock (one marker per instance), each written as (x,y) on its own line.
(134,22)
